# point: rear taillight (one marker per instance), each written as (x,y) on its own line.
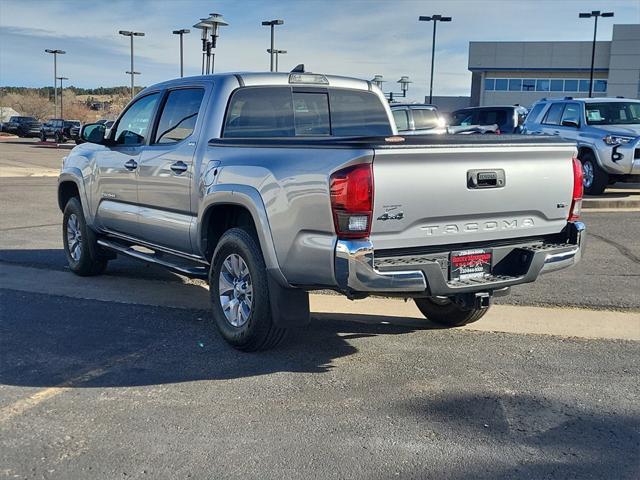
(351,191)
(576,199)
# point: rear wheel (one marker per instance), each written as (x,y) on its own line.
(595,179)
(43,137)
(446,312)
(240,293)
(80,246)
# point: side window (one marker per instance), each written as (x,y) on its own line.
(401,118)
(571,113)
(425,118)
(260,112)
(357,113)
(179,115)
(462,118)
(311,113)
(134,126)
(554,114)
(491,117)
(535,113)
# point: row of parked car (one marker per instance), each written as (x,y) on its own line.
(606,130)
(57,129)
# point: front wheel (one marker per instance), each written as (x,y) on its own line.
(595,179)
(43,137)
(445,312)
(240,293)
(80,246)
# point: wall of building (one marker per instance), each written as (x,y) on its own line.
(624,64)
(448,104)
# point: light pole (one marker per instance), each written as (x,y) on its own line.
(272,24)
(277,52)
(404,82)
(55,77)
(209,26)
(595,14)
(435,19)
(181,33)
(61,95)
(129,34)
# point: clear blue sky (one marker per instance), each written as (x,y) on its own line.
(347,37)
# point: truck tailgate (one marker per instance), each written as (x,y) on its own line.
(458,194)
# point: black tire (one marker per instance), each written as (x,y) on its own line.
(89,261)
(600,177)
(446,312)
(43,137)
(258,332)
(59,138)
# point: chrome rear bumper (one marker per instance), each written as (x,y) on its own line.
(356,272)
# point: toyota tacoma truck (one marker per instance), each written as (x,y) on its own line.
(272,185)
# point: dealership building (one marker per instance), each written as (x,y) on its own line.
(507,73)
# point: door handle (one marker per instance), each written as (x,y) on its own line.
(131,164)
(179,167)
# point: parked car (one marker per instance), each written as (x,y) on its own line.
(509,119)
(72,129)
(23,126)
(606,131)
(271,185)
(418,119)
(53,128)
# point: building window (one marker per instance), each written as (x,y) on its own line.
(557,85)
(515,84)
(571,85)
(584,85)
(501,84)
(489,84)
(528,85)
(542,85)
(599,85)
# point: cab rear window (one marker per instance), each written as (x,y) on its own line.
(275,112)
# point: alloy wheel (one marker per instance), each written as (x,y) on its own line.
(74,237)
(587,174)
(235,290)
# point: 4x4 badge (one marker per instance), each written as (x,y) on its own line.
(391,216)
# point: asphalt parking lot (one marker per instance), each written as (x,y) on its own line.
(122,376)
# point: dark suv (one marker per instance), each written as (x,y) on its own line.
(23,126)
(509,119)
(57,129)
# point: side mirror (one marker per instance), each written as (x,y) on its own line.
(93,133)
(570,123)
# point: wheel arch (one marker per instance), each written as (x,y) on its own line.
(70,184)
(228,206)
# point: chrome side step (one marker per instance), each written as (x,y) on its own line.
(200,271)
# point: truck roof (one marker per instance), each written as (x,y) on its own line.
(271,78)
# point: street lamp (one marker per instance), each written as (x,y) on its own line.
(595,14)
(435,19)
(61,95)
(404,86)
(181,33)
(55,77)
(209,26)
(271,24)
(276,53)
(129,34)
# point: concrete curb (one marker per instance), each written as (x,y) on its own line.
(588,204)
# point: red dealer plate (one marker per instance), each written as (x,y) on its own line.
(467,264)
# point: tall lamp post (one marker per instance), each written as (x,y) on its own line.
(435,19)
(272,24)
(55,77)
(181,33)
(129,34)
(404,86)
(276,53)
(209,26)
(595,14)
(61,95)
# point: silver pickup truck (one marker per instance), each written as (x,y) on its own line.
(274,185)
